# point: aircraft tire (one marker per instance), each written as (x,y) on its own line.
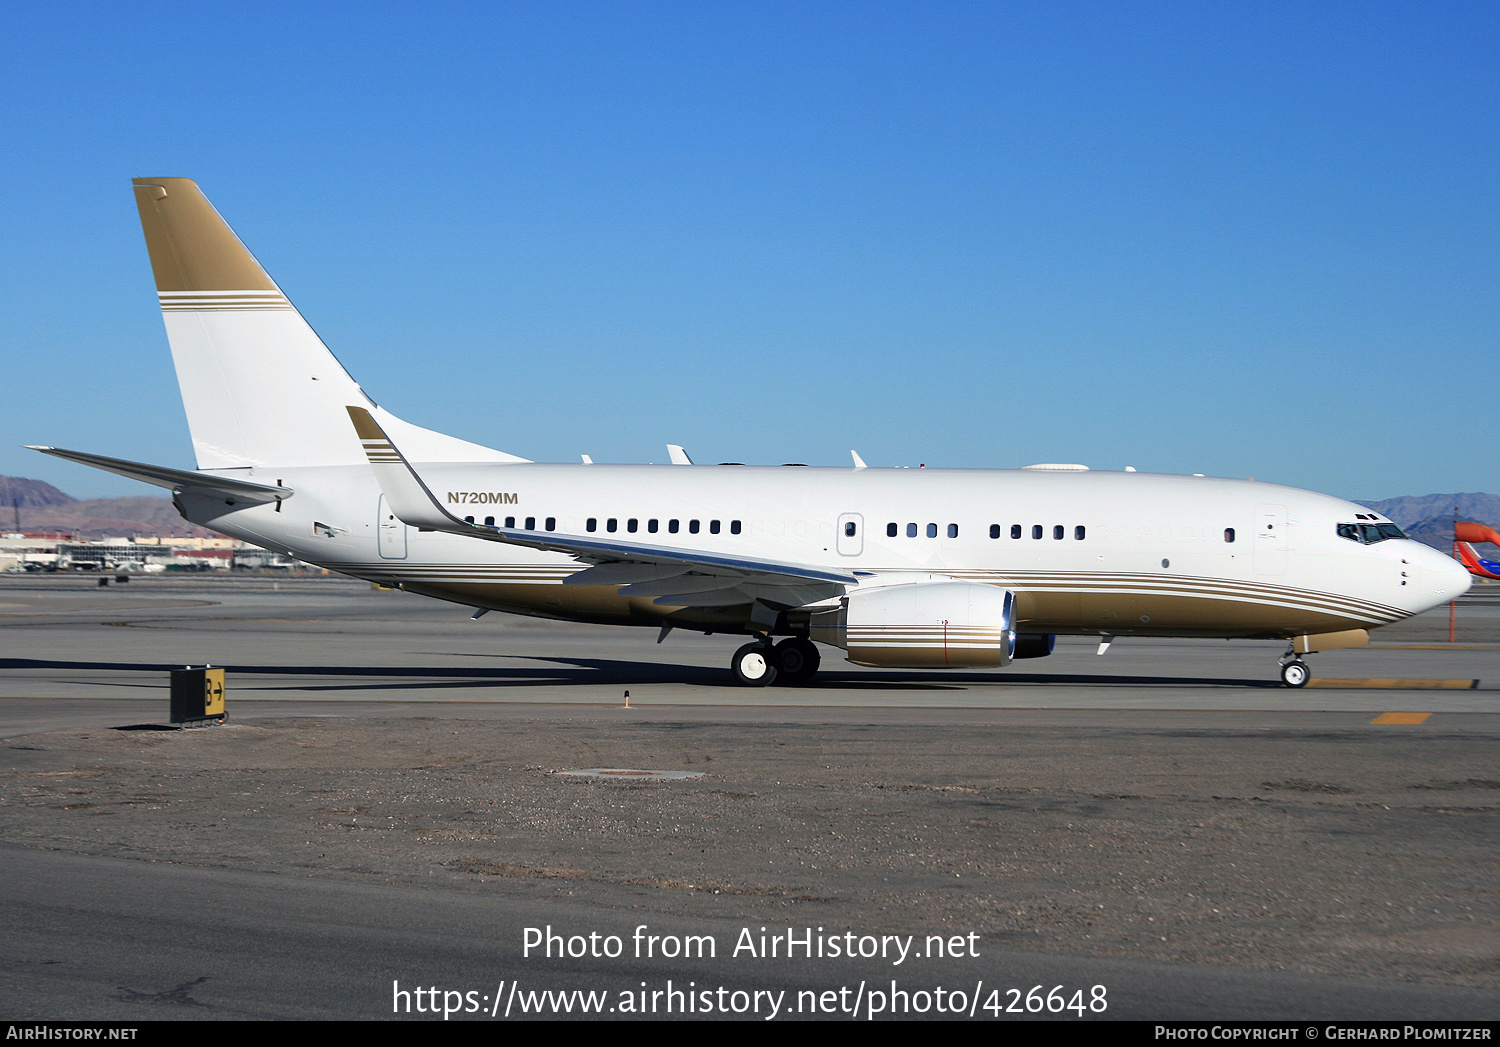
(1295,673)
(797,659)
(753,665)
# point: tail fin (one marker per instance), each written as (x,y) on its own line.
(1476,564)
(1465,531)
(259,386)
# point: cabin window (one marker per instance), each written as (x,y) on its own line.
(468,519)
(592,525)
(713,527)
(734,527)
(890,530)
(672,526)
(994,530)
(1036,531)
(1057,532)
(651,526)
(611,525)
(692,527)
(551,523)
(1229,534)
(1078,533)
(531,523)
(632,525)
(911,530)
(489,521)
(510,521)
(953,530)
(850,528)
(932,530)
(1015,530)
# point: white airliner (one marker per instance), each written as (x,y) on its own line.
(912,568)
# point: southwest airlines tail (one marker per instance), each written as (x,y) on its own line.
(1476,564)
(1463,534)
(259,386)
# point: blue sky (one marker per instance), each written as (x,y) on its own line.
(1243,239)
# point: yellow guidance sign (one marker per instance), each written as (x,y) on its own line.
(197,695)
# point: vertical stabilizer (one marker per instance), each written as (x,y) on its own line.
(259,386)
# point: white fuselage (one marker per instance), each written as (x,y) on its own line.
(1110,553)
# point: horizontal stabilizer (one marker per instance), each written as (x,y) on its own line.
(176,480)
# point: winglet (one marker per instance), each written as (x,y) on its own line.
(859,463)
(404,490)
(678,455)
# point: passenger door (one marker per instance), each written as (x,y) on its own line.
(851,534)
(1271,539)
(392,534)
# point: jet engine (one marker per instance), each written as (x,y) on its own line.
(925,625)
(1034,645)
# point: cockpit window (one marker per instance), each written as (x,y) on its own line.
(1369,534)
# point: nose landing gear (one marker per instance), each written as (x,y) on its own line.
(1294,671)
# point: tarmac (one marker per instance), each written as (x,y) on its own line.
(1159,832)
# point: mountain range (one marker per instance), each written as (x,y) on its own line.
(1428,518)
(39,506)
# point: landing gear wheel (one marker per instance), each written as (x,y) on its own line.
(1295,673)
(753,665)
(796,660)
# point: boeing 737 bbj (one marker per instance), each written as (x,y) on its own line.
(906,568)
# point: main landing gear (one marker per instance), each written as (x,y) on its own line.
(1294,671)
(792,661)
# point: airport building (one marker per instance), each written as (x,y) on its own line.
(48,551)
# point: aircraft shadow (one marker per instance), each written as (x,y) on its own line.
(598,671)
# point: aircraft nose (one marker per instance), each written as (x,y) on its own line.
(1440,578)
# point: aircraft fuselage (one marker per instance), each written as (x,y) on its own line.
(1086,552)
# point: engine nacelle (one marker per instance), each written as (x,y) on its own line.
(924,625)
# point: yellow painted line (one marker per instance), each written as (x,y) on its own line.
(1401,718)
(1395,684)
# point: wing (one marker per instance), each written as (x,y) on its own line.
(666,575)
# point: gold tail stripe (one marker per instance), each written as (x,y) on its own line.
(219,301)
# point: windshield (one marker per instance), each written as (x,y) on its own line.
(1369,534)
